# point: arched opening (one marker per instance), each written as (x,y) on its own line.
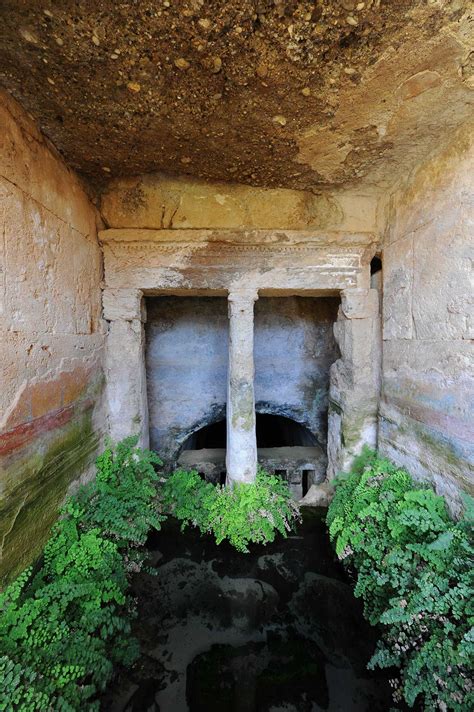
(285,447)
(272,431)
(279,431)
(210,436)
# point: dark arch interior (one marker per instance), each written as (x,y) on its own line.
(272,431)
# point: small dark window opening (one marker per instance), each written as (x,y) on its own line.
(375,265)
(281,473)
(307,474)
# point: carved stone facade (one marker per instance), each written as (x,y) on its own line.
(243,265)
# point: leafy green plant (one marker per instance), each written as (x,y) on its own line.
(63,627)
(188,498)
(253,512)
(244,514)
(415,575)
(121,501)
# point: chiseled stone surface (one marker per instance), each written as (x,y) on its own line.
(157,202)
(124,304)
(51,340)
(426,415)
(127,404)
(314,262)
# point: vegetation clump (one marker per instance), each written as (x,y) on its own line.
(65,625)
(414,568)
(247,513)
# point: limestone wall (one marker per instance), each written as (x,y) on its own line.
(51,335)
(427,408)
(187,345)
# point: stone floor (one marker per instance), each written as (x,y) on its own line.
(271,631)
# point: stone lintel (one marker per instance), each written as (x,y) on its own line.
(125,304)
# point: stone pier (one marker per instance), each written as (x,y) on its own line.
(354,379)
(241,455)
(127,402)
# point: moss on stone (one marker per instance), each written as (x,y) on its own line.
(34,488)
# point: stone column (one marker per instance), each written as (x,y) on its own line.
(127,402)
(241,455)
(355,378)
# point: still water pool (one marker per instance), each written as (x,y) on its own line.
(276,630)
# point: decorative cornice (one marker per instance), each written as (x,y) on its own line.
(223,248)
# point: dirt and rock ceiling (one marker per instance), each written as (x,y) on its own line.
(264,92)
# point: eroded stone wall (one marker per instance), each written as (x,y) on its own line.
(426,413)
(51,336)
(187,348)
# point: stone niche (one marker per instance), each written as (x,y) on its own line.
(186,373)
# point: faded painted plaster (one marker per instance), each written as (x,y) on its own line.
(51,336)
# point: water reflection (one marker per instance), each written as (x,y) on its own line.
(271,631)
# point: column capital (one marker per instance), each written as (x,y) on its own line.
(243,295)
(360,303)
(123,304)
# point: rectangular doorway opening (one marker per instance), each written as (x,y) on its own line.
(186,369)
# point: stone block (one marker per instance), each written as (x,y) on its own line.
(360,303)
(158,202)
(318,496)
(127,403)
(30,162)
(124,304)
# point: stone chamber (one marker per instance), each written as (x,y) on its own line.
(240,230)
(186,372)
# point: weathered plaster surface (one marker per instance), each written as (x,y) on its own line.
(51,336)
(426,419)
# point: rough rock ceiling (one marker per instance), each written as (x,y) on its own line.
(266,92)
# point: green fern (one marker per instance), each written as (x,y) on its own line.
(63,628)
(247,513)
(415,576)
